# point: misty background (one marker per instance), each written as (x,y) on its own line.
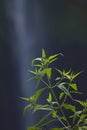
(27,26)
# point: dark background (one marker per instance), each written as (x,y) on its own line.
(25,28)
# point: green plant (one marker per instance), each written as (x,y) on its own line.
(56,105)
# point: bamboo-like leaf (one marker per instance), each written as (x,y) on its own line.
(43,53)
(85,121)
(80,102)
(48,72)
(82,117)
(70,107)
(25,98)
(77,128)
(75,116)
(41,107)
(39,76)
(27,108)
(63,118)
(77,74)
(57,129)
(64,89)
(59,71)
(37,65)
(33,72)
(83,103)
(61,95)
(54,114)
(53,56)
(75,92)
(37,94)
(58,78)
(73,86)
(43,119)
(53,60)
(36,59)
(33,128)
(83,128)
(49,99)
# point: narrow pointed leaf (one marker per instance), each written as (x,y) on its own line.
(27,108)
(61,95)
(33,72)
(39,76)
(77,74)
(33,128)
(70,107)
(43,119)
(73,86)
(49,99)
(53,56)
(38,93)
(53,60)
(42,107)
(25,98)
(48,72)
(43,53)
(36,59)
(64,89)
(57,129)
(60,72)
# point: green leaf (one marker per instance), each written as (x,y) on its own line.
(33,98)
(39,76)
(36,59)
(37,65)
(73,86)
(54,114)
(43,119)
(61,95)
(76,128)
(76,92)
(83,128)
(33,128)
(27,108)
(25,98)
(53,56)
(63,118)
(33,72)
(80,102)
(67,74)
(59,71)
(70,107)
(48,72)
(85,121)
(64,89)
(58,78)
(37,94)
(49,99)
(42,107)
(77,74)
(57,129)
(53,60)
(75,116)
(43,53)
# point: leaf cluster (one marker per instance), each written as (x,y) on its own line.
(56,105)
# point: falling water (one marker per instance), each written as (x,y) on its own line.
(23,37)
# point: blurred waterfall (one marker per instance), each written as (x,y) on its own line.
(24,24)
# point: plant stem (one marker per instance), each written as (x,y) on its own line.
(58,103)
(47,123)
(44,82)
